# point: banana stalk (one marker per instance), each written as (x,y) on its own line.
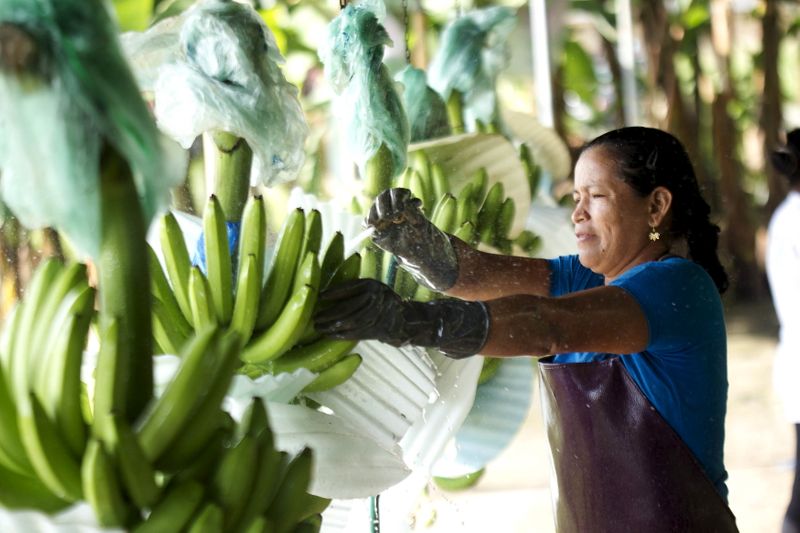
(124,382)
(228,159)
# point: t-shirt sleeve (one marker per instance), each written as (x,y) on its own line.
(679,301)
(567,275)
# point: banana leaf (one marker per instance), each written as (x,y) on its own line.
(57,114)
(216,67)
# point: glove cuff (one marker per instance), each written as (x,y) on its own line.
(458,328)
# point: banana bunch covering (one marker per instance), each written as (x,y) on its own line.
(269,310)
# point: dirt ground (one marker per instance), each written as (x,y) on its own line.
(513,496)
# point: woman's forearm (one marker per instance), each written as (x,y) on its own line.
(484,276)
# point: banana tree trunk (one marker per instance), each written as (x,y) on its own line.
(771,114)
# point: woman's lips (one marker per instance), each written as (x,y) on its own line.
(583,237)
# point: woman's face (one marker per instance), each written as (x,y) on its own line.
(611,219)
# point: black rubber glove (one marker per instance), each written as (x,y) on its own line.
(421,248)
(368,309)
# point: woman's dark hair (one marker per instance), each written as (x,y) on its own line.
(647,158)
(786,159)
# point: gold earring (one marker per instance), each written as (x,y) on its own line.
(654,235)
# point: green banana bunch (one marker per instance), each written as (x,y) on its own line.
(42,428)
(478,213)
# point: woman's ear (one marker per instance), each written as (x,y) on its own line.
(660,203)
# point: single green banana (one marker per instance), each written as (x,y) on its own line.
(480,181)
(423,170)
(176,259)
(489,369)
(290,504)
(419,190)
(167,336)
(254,419)
(248,293)
(528,241)
(286,330)
(203,466)
(12,451)
(270,469)
(505,218)
(207,418)
(102,489)
(200,360)
(466,208)
(204,313)
(312,235)
(210,519)
(294,318)
(61,397)
(258,524)
(107,381)
(175,509)
(532,170)
(23,362)
(253,235)
(49,454)
(316,356)
(22,491)
(284,262)
(420,162)
(370,262)
(487,215)
(9,335)
(403,179)
(70,277)
(162,291)
(332,259)
(466,232)
(218,260)
(335,374)
(444,217)
(203,430)
(440,184)
(349,269)
(137,473)
(233,480)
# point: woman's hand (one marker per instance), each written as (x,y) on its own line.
(369,309)
(421,248)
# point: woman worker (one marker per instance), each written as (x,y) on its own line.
(635,396)
(783,272)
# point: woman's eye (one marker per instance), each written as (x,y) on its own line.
(598,195)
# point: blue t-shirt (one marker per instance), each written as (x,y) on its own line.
(683,371)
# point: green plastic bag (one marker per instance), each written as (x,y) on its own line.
(366,100)
(472,52)
(427,114)
(216,67)
(55,120)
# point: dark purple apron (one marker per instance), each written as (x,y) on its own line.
(618,466)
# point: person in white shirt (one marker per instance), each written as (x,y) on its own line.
(783,273)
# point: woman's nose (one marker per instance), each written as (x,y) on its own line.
(578,213)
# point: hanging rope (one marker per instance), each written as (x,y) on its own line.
(406,32)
